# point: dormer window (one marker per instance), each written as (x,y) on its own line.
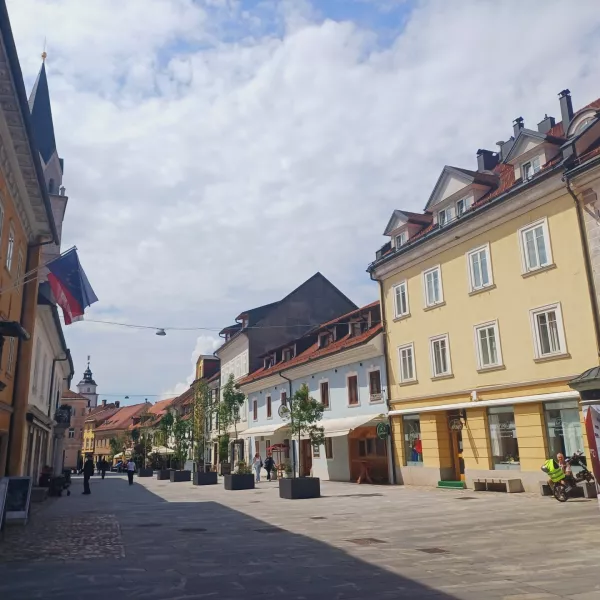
(269,362)
(324,340)
(287,354)
(401,239)
(356,328)
(444,216)
(461,207)
(530,168)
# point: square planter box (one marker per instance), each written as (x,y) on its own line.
(163,474)
(300,488)
(178,476)
(203,478)
(145,472)
(239,482)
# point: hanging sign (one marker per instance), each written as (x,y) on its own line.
(383,430)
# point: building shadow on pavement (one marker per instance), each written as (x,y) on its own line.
(186,550)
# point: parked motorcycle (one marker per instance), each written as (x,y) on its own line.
(562,489)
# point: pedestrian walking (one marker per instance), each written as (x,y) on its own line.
(103,467)
(88,471)
(130,471)
(257,465)
(269,465)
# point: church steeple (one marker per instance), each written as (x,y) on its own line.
(41,114)
(87,386)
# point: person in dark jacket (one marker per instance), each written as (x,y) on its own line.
(103,467)
(88,471)
(269,466)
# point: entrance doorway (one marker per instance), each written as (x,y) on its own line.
(305,458)
(455,423)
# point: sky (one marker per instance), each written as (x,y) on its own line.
(220,152)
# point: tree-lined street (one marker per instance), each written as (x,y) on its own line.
(160,540)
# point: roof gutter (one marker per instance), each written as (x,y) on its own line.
(15,68)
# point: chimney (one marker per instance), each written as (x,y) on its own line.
(486,160)
(518,124)
(103,402)
(117,404)
(546,124)
(505,147)
(566,108)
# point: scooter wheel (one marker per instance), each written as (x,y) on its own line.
(560,493)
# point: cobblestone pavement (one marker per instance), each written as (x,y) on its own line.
(173,541)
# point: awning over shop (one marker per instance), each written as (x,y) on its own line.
(161,450)
(263,429)
(339,427)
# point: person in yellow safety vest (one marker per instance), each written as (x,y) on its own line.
(554,470)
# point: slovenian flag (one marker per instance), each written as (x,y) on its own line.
(70,286)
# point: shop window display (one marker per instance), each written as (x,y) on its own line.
(413,447)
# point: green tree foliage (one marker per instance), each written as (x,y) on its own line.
(303,414)
(223,448)
(165,428)
(229,408)
(202,411)
(116,446)
(181,431)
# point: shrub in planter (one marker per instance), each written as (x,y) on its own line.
(163,474)
(205,478)
(242,479)
(178,476)
(300,488)
(146,472)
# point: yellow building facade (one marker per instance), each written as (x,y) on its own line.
(488,316)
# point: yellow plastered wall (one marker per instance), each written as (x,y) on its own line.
(529,421)
(398,435)
(476,440)
(435,435)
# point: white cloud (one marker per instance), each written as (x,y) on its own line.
(213,163)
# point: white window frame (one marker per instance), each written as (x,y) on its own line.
(348,375)
(406,313)
(328,407)
(281,398)
(465,204)
(401,239)
(10,249)
(432,341)
(255,418)
(537,347)
(410,347)
(373,370)
(479,351)
(532,166)
(526,267)
(488,258)
(447,212)
(440,286)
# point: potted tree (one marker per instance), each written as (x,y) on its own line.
(181,444)
(229,416)
(242,479)
(202,416)
(165,428)
(144,445)
(303,414)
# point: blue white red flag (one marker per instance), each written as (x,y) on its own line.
(70,286)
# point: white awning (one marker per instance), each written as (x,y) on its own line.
(339,427)
(263,429)
(479,403)
(162,450)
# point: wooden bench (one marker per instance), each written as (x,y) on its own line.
(489,484)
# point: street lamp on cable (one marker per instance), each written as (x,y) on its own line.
(161,332)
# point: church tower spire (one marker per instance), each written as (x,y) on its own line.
(87,386)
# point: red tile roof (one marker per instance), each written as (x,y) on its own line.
(349,315)
(314,353)
(121,418)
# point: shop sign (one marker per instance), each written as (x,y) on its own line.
(383,430)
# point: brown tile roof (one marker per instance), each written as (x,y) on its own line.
(314,352)
(100,413)
(350,314)
(559,131)
(121,418)
(70,395)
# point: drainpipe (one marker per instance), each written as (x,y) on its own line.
(387,373)
(587,260)
(291,424)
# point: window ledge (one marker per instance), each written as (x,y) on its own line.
(438,377)
(487,288)
(492,368)
(561,356)
(401,317)
(433,306)
(376,401)
(540,270)
(354,405)
(411,382)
